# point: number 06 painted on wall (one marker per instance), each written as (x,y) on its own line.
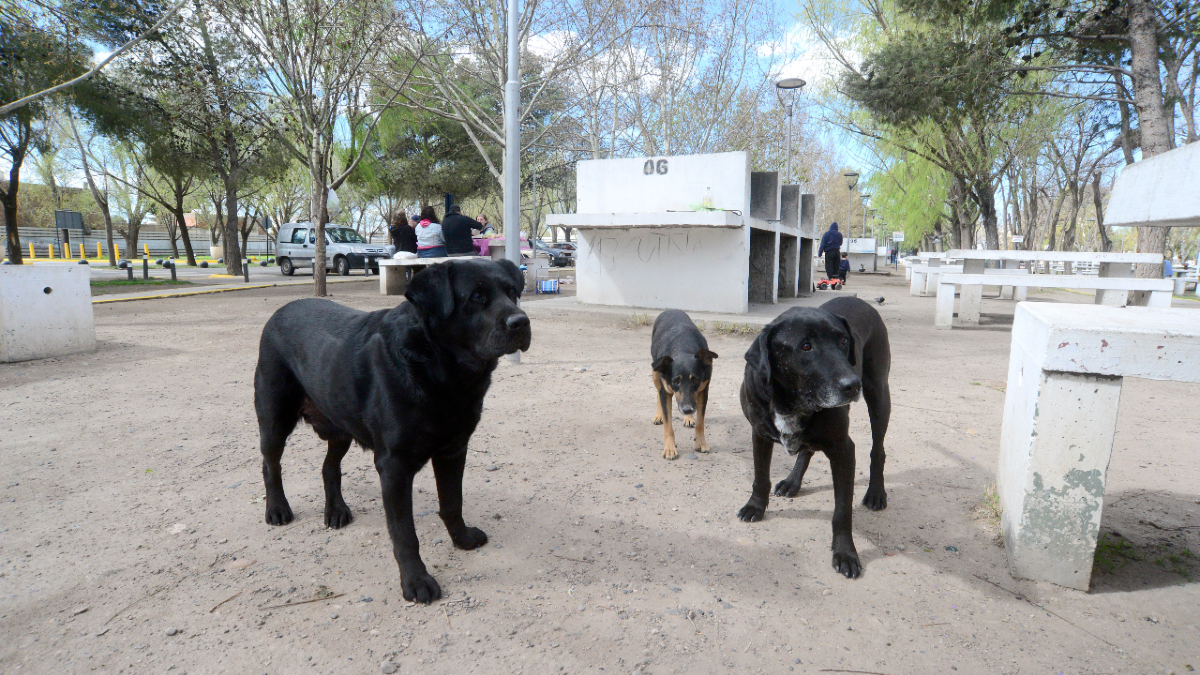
(651,167)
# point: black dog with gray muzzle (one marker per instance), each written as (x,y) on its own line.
(802,373)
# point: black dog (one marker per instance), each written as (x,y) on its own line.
(407,383)
(802,373)
(682,368)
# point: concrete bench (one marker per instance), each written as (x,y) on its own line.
(968,312)
(394,274)
(1065,370)
(926,280)
(1182,280)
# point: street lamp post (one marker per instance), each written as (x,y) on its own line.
(512,148)
(851,180)
(865,200)
(791,84)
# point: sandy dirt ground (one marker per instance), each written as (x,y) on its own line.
(132,537)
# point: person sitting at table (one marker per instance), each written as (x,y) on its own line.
(404,236)
(431,243)
(457,229)
(486,228)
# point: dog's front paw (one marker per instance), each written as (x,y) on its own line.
(787,488)
(752,512)
(875,499)
(846,563)
(701,445)
(337,516)
(689,421)
(470,539)
(279,513)
(669,451)
(658,418)
(420,587)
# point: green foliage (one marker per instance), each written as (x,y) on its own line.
(910,192)
(418,156)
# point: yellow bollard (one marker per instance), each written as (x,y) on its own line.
(32,255)
(99,251)
(82,252)
(117,249)
(146,249)
(51,256)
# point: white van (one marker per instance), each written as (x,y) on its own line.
(345,249)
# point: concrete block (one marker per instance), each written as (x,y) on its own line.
(808,217)
(789,265)
(1114,298)
(45,310)
(789,206)
(1163,191)
(662,184)
(764,266)
(765,193)
(700,269)
(1066,366)
(804,277)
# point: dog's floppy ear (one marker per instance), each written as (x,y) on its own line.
(432,291)
(661,364)
(706,357)
(853,342)
(759,355)
(513,272)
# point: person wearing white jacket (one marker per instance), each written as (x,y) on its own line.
(430,241)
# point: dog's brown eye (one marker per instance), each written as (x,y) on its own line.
(845,341)
(477,296)
(806,347)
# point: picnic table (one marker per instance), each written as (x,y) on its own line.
(394,274)
(1065,370)
(1112,265)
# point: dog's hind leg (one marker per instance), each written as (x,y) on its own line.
(278,411)
(790,486)
(701,406)
(879,406)
(448,472)
(337,514)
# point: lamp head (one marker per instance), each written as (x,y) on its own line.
(790,83)
(851,179)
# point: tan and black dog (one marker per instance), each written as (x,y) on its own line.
(682,367)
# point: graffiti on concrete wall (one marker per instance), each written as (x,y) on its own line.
(643,248)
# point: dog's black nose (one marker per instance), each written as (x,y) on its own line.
(850,387)
(517,321)
(687,409)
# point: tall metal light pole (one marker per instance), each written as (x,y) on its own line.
(512,147)
(851,180)
(791,84)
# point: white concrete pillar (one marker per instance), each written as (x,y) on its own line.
(943,316)
(970,298)
(1114,298)
(1006,292)
(916,286)
(1054,450)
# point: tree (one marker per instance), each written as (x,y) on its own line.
(320,55)
(32,60)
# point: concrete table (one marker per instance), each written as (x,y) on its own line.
(1065,371)
(394,274)
(45,310)
(1111,265)
(1158,291)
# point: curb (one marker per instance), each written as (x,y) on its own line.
(207,291)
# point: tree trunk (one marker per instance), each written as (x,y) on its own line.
(985,194)
(15,255)
(1152,120)
(319,198)
(177,210)
(1105,241)
(233,256)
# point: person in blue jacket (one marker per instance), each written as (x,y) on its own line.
(831,244)
(844,267)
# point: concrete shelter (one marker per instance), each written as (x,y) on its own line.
(690,232)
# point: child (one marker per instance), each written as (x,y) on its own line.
(844,268)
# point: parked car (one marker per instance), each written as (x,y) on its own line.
(558,257)
(563,246)
(345,249)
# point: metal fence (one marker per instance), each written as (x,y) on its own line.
(43,239)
